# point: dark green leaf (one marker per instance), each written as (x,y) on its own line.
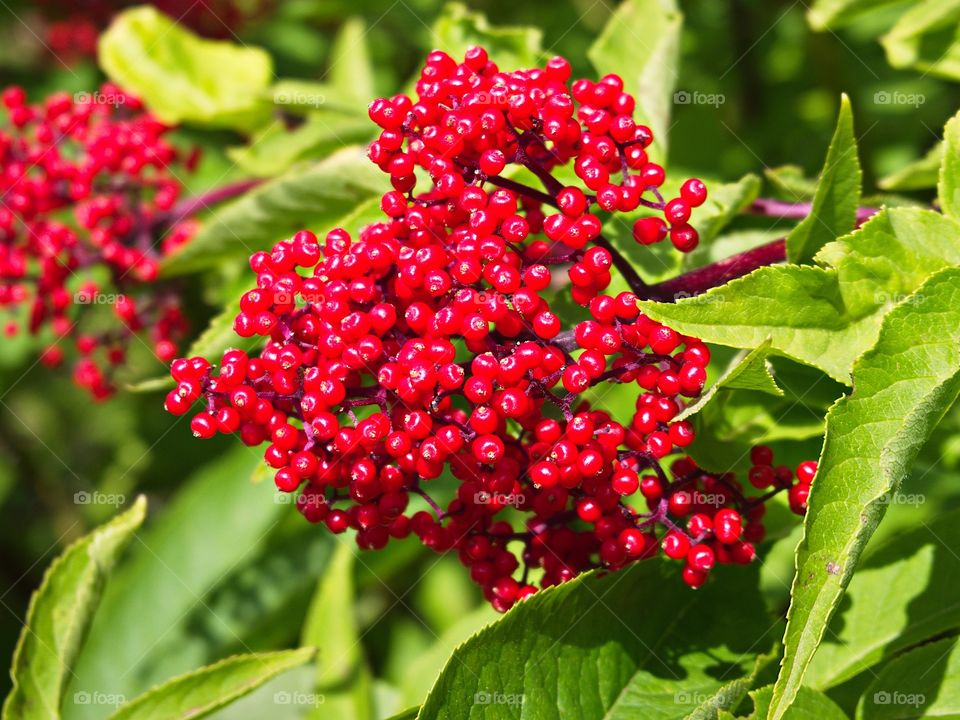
(350,68)
(511,48)
(948,186)
(641,43)
(918,175)
(342,676)
(409,714)
(748,371)
(921,683)
(908,581)
(834,209)
(823,14)
(303,198)
(810,705)
(631,644)
(276,148)
(59,616)
(824,316)
(204,691)
(148,623)
(791,183)
(925,38)
(902,387)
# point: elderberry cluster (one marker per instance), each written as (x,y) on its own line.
(73,26)
(417,379)
(87,194)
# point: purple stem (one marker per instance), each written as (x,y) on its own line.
(198,203)
(777,208)
(719,273)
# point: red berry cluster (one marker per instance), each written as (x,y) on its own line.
(422,359)
(72,27)
(87,193)
(763,476)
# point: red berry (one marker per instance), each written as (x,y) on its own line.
(727,525)
(675,545)
(694,192)
(649,230)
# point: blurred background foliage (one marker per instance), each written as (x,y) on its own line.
(195,586)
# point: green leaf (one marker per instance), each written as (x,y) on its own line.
(903,581)
(220,336)
(183,77)
(275,148)
(733,422)
(748,371)
(902,387)
(921,683)
(150,385)
(511,47)
(172,576)
(724,202)
(59,616)
(948,187)
(422,673)
(833,14)
(343,677)
(791,182)
(258,604)
(305,96)
(810,705)
(925,38)
(918,175)
(408,714)
(834,210)
(630,644)
(303,198)
(824,316)
(641,43)
(350,68)
(203,691)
